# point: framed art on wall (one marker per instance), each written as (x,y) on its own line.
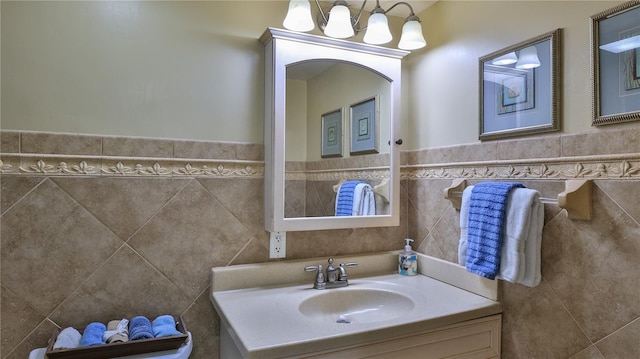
(615,62)
(519,89)
(332,134)
(364,125)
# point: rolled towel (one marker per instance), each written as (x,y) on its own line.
(164,326)
(68,338)
(117,332)
(92,334)
(140,328)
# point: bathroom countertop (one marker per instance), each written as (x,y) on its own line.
(266,324)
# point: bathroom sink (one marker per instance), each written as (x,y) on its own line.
(356,305)
(272,310)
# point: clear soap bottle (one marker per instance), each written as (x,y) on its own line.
(408,260)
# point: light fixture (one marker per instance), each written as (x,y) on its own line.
(528,58)
(338,22)
(299,16)
(623,45)
(507,59)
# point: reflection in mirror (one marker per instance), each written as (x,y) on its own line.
(519,92)
(315,185)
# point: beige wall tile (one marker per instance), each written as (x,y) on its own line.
(62,144)
(137,147)
(538,147)
(204,149)
(9,141)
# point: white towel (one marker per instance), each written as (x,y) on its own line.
(364,203)
(68,338)
(464,226)
(522,241)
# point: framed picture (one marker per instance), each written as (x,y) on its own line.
(519,88)
(364,117)
(332,134)
(615,61)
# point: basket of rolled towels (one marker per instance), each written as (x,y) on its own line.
(119,338)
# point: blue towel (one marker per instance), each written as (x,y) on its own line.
(140,328)
(344,202)
(92,334)
(487,211)
(164,326)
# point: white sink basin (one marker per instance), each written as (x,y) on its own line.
(356,305)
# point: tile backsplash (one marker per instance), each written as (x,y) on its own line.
(96,228)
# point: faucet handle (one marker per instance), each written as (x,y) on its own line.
(343,272)
(313,268)
(319,276)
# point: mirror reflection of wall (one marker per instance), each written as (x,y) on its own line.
(315,88)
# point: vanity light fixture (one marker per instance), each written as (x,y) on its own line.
(338,22)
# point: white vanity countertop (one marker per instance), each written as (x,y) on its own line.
(266,323)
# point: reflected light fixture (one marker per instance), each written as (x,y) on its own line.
(528,58)
(507,59)
(623,45)
(338,22)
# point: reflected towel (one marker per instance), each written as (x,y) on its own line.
(92,334)
(364,202)
(487,212)
(117,332)
(68,338)
(164,326)
(140,328)
(344,200)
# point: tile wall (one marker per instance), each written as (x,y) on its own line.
(95,228)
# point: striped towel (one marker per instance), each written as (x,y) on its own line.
(344,202)
(487,211)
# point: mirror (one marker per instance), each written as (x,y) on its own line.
(337,116)
(331,115)
(519,89)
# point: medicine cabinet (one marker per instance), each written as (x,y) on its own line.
(316,136)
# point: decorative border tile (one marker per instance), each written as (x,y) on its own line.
(126,166)
(624,166)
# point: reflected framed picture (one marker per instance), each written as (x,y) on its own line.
(332,134)
(364,117)
(615,62)
(519,89)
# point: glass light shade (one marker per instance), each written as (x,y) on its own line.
(299,16)
(412,38)
(507,59)
(339,24)
(623,45)
(377,30)
(528,58)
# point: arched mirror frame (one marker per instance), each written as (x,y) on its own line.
(283,48)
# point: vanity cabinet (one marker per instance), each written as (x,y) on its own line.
(473,339)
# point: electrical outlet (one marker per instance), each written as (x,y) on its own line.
(277,244)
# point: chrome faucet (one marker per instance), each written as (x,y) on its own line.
(335,277)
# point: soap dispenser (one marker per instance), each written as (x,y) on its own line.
(408,260)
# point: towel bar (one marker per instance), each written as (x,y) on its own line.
(576,198)
(382,189)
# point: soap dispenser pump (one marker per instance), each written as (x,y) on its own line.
(408,260)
